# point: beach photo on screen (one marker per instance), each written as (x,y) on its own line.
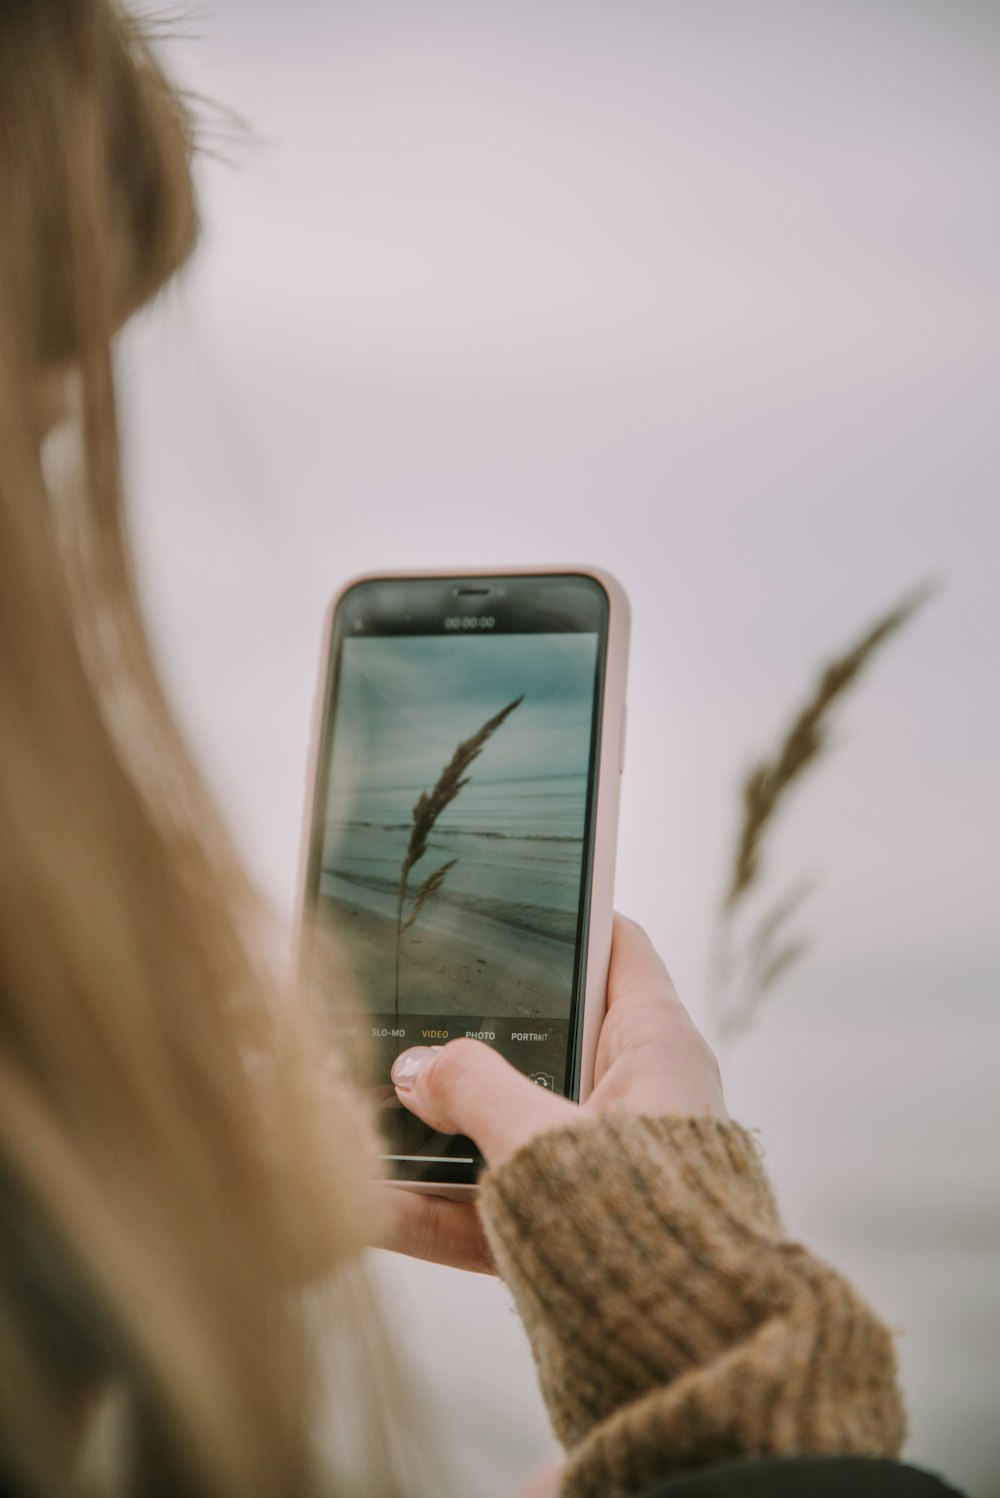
(455,819)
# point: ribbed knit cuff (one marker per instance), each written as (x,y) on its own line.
(617,1238)
(671,1324)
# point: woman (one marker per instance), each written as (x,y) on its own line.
(166,1180)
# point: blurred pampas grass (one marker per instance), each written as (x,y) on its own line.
(746,971)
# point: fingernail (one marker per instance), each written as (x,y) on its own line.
(409,1064)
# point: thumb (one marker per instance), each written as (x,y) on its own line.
(468,1088)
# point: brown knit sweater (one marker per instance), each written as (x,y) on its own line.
(673,1324)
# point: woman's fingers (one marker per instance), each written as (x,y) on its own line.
(651,1058)
(637,969)
(463,1088)
(643,1005)
(429,1227)
(467,1088)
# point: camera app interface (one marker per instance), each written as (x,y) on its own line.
(453,846)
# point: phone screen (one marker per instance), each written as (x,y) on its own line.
(451,849)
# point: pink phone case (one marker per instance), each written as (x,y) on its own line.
(611,765)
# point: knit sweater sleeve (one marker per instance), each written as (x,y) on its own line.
(673,1324)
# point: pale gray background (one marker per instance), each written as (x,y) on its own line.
(706,293)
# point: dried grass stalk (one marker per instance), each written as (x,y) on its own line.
(766,959)
(770,956)
(769,782)
(427,890)
(430,805)
(772,923)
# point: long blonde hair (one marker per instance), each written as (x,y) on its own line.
(166,1140)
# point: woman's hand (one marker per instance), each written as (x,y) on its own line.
(650,1059)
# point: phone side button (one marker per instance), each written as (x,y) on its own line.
(307,769)
(621,741)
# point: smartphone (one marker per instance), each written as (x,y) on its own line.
(460,826)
